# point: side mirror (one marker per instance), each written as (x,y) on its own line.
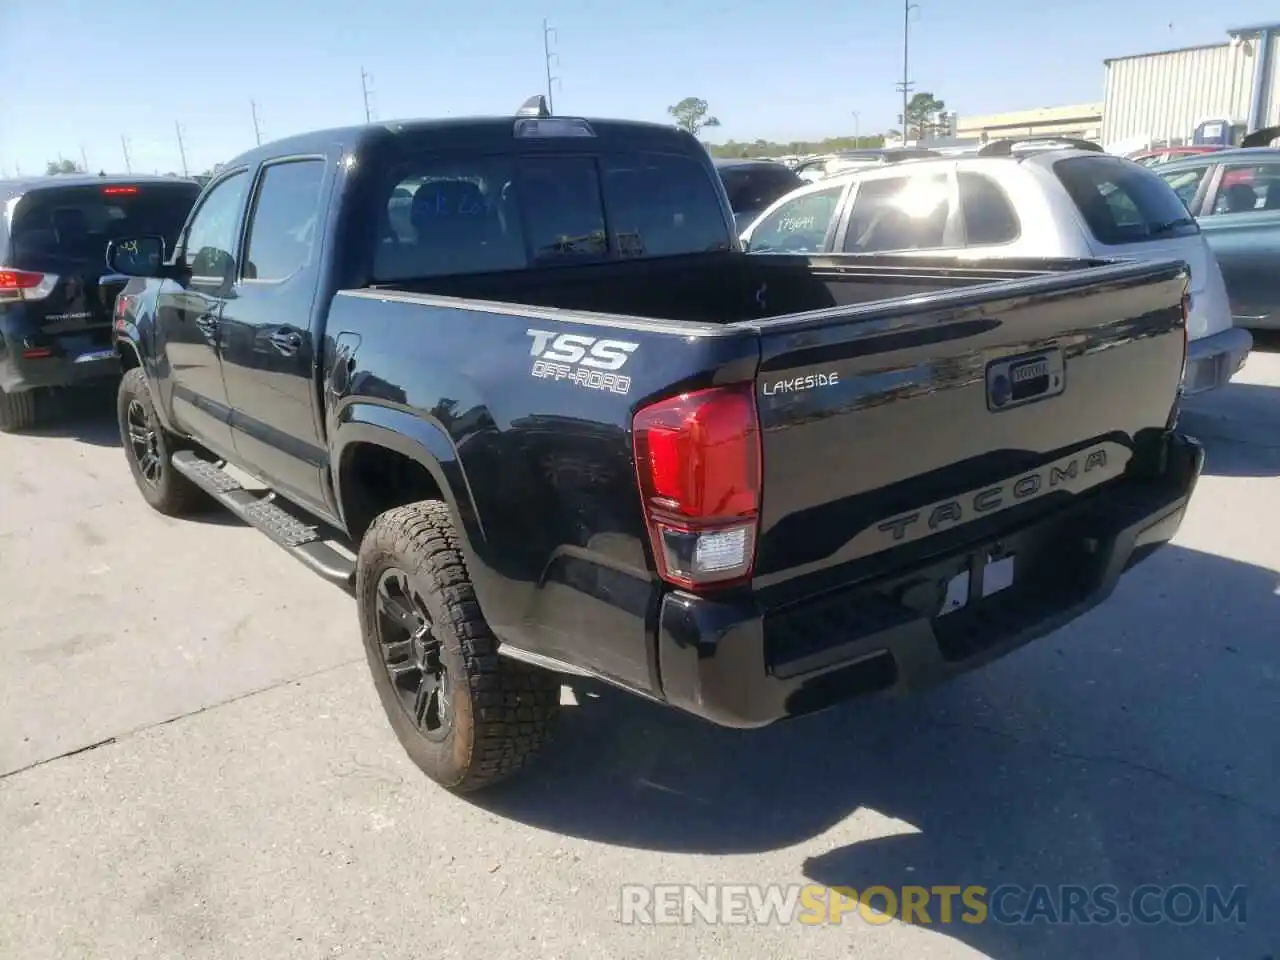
(137,256)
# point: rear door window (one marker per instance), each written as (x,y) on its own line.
(285,226)
(492,214)
(73,225)
(798,225)
(1122,202)
(989,217)
(899,213)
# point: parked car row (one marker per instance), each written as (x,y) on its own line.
(1013,200)
(56,293)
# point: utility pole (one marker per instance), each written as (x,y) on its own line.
(365,83)
(84,160)
(548,32)
(257,129)
(857,120)
(182,150)
(906,85)
(124,146)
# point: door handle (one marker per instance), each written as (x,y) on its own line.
(287,342)
(207,324)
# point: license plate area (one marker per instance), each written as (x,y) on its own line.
(989,572)
(1013,381)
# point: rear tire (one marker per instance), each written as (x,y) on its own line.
(467,717)
(17,411)
(149,449)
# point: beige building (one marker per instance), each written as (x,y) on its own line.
(1081,120)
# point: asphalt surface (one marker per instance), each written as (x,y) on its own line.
(193,762)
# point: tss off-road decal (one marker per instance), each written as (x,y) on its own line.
(581,360)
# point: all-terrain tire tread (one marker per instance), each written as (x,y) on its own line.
(514,706)
(17,411)
(176,496)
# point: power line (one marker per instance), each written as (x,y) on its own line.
(548,55)
(366,87)
(257,129)
(182,150)
(124,147)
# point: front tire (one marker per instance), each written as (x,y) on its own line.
(17,411)
(467,717)
(149,447)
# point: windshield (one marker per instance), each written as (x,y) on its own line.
(497,213)
(74,224)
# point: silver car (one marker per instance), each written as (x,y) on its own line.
(1057,202)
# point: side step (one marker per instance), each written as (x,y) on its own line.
(262,511)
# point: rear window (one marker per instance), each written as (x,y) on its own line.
(76,223)
(1122,202)
(754,188)
(488,214)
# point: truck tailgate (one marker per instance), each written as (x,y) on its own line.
(904,428)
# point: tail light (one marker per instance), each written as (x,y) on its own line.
(698,465)
(25,285)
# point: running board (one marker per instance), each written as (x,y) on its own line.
(262,511)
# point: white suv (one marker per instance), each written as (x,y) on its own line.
(1007,203)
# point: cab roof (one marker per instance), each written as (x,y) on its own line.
(467,133)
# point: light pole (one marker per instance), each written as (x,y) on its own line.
(857,137)
(906,84)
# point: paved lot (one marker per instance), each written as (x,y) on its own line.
(194,764)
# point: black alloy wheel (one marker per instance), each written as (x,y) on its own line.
(144,443)
(411,655)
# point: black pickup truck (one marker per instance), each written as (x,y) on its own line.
(513,382)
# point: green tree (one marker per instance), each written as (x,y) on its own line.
(691,114)
(768,148)
(61,166)
(922,115)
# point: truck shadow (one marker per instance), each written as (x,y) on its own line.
(1136,746)
(86,414)
(1227,456)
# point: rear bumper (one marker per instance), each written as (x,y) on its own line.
(73,361)
(731,663)
(1212,361)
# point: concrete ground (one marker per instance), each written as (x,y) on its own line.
(193,762)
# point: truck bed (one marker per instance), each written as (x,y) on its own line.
(725,288)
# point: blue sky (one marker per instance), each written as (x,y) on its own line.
(80,73)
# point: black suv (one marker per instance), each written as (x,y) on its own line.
(56,293)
